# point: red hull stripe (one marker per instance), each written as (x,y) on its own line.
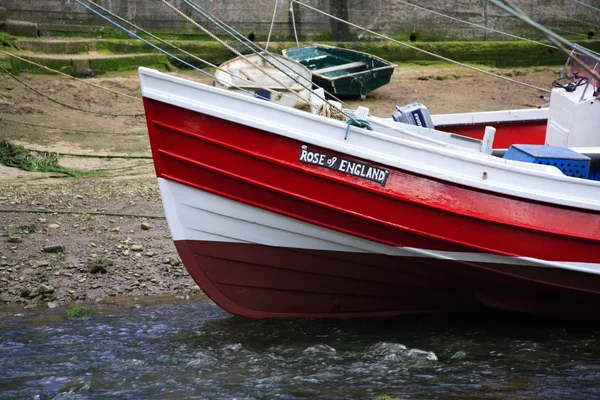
(262,169)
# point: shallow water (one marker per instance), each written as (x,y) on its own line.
(193,350)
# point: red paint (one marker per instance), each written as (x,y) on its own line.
(258,281)
(507,133)
(262,169)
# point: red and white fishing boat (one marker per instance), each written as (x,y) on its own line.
(276,214)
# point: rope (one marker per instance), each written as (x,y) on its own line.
(69,76)
(294,24)
(253,46)
(358,122)
(63,104)
(188,53)
(585,5)
(476,25)
(108,156)
(229,48)
(149,43)
(2,119)
(272,23)
(423,51)
(235,35)
(106,214)
(553,37)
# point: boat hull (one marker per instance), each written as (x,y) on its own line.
(267,236)
(343,72)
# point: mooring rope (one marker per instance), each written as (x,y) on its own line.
(100,156)
(422,50)
(3,119)
(213,36)
(69,76)
(476,25)
(553,37)
(188,53)
(294,24)
(272,23)
(233,33)
(106,214)
(64,104)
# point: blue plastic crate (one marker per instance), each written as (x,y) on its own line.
(568,161)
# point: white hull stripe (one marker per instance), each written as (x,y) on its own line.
(197,215)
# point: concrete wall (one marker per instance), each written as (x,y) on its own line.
(388,16)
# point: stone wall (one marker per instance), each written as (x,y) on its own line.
(254,16)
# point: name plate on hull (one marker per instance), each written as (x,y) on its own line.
(349,167)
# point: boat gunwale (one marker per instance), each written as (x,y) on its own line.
(390,65)
(578,201)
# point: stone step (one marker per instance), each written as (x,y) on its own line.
(85,65)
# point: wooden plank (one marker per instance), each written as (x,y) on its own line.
(351,65)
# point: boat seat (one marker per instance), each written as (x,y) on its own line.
(351,65)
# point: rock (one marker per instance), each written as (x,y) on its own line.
(145,226)
(52,304)
(41,263)
(174,262)
(196,289)
(137,247)
(101,265)
(80,197)
(14,239)
(166,260)
(45,289)
(459,355)
(25,291)
(54,249)
(95,286)
(54,226)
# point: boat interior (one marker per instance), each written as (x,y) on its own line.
(334,62)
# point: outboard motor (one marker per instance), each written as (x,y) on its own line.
(413,114)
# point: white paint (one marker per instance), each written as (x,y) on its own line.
(193,214)
(490,117)
(525,180)
(573,121)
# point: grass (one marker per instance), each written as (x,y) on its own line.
(79,313)
(99,265)
(8,42)
(15,156)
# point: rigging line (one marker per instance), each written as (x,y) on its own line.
(69,76)
(61,103)
(231,49)
(585,5)
(155,46)
(309,87)
(423,51)
(476,25)
(581,21)
(188,53)
(272,23)
(553,37)
(566,31)
(68,129)
(255,48)
(249,44)
(294,24)
(106,214)
(106,156)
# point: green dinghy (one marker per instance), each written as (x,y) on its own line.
(341,71)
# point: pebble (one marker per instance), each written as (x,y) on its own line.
(145,226)
(44,289)
(52,304)
(54,226)
(137,247)
(53,249)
